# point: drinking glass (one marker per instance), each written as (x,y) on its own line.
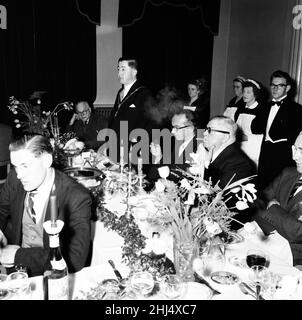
(260,277)
(142,283)
(256,257)
(19,285)
(172,287)
(3,286)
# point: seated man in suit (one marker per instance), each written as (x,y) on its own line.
(226,160)
(283,204)
(86,125)
(22,237)
(225,157)
(185,142)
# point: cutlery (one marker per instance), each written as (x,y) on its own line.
(200,279)
(116,272)
(246,289)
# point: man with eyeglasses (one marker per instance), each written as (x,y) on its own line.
(280,122)
(280,208)
(185,142)
(225,157)
(86,125)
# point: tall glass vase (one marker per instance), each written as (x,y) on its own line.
(184,253)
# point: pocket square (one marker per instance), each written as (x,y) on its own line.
(132,106)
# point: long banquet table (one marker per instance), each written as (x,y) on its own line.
(275,246)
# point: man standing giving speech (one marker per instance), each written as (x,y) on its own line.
(25,205)
(130,103)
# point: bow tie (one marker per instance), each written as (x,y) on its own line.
(278,103)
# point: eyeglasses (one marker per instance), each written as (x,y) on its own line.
(178,128)
(278,86)
(84,112)
(296,149)
(209,130)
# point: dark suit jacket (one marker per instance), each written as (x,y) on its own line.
(274,157)
(232,160)
(74,208)
(284,217)
(88,132)
(131,108)
(286,124)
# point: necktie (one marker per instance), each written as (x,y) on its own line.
(295,188)
(30,206)
(278,103)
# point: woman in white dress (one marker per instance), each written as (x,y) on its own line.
(250,143)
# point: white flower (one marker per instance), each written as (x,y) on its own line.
(16,121)
(235,190)
(196,169)
(213,228)
(202,190)
(241,205)
(191,197)
(164,172)
(159,186)
(18,125)
(184,183)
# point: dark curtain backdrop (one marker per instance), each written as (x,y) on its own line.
(49,45)
(173,40)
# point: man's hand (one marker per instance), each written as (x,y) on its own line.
(273,201)
(155,150)
(3,240)
(7,255)
(73,119)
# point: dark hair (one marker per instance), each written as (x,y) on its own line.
(251,83)
(202,84)
(239,79)
(37,144)
(281,74)
(132,62)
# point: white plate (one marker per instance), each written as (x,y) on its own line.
(197,291)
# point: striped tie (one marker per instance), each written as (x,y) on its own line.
(30,206)
(295,188)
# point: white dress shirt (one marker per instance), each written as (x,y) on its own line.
(274,110)
(126,89)
(41,197)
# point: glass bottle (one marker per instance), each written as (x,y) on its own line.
(55,276)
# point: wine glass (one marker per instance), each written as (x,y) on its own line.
(260,277)
(164,172)
(256,257)
(19,284)
(3,286)
(172,286)
(142,283)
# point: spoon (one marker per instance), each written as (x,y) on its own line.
(246,289)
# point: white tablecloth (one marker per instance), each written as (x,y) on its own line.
(107,245)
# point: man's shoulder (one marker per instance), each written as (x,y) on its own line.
(67,183)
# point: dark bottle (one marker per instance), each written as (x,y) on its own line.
(55,277)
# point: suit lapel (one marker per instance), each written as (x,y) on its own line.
(19,215)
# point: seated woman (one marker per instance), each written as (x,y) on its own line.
(236,101)
(199,98)
(250,143)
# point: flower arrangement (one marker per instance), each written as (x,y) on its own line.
(32,120)
(211,212)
